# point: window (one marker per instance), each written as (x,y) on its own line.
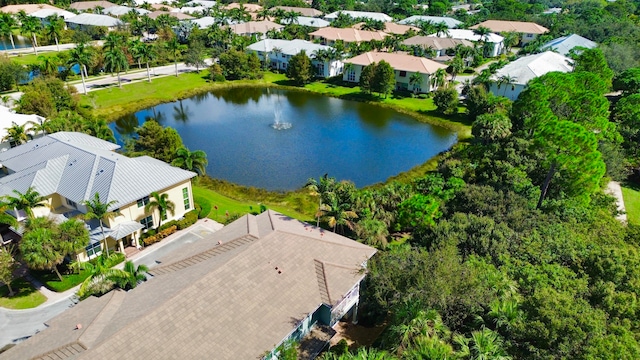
(147,222)
(93,250)
(321,69)
(351,76)
(71,203)
(143,202)
(403,74)
(185,196)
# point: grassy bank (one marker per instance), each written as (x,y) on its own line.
(25,296)
(631,198)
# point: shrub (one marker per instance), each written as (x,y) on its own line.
(204,206)
(160,235)
(231,218)
(446,100)
(189,219)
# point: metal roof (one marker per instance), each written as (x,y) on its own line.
(361,15)
(120,10)
(77,166)
(288,47)
(416,19)
(533,66)
(465,34)
(8,118)
(565,44)
(308,21)
(94,20)
(46,12)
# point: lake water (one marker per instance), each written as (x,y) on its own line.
(346,139)
(20,42)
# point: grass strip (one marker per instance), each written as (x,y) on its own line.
(25,295)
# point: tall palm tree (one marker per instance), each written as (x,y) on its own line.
(17,134)
(132,275)
(506,80)
(191,160)
(27,201)
(147,54)
(457,66)
(263,14)
(55,25)
(441,29)
(162,204)
(100,129)
(135,48)
(483,32)
(101,277)
(438,77)
(115,59)
(96,209)
(73,237)
(49,65)
(31,26)
(81,56)
(7,25)
(483,345)
(415,81)
(175,49)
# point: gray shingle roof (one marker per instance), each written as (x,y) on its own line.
(222,301)
(416,19)
(77,165)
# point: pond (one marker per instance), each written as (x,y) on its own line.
(347,139)
(19,41)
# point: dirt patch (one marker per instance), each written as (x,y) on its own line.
(357,335)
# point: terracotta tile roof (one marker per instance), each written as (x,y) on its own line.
(234,301)
(398,62)
(311,12)
(88,5)
(28,8)
(512,26)
(253,27)
(435,42)
(348,35)
(391,28)
(248,7)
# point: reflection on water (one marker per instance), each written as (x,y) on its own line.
(346,139)
(19,41)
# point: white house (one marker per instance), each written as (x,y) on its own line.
(417,19)
(404,65)
(278,52)
(360,15)
(257,28)
(565,44)
(120,10)
(87,20)
(43,14)
(308,21)
(9,118)
(521,71)
(497,41)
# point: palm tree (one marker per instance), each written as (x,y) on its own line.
(147,54)
(175,49)
(100,129)
(73,237)
(162,204)
(40,251)
(338,214)
(441,29)
(27,201)
(49,65)
(101,278)
(506,80)
(96,209)
(164,21)
(115,59)
(81,56)
(426,28)
(483,345)
(457,66)
(263,14)
(191,160)
(415,81)
(291,17)
(55,24)
(438,77)
(135,48)
(132,276)
(7,24)
(511,39)
(17,134)
(31,26)
(483,32)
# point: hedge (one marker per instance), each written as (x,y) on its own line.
(160,235)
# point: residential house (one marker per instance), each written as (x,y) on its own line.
(69,168)
(178,15)
(84,6)
(417,19)
(495,42)
(392,28)
(404,65)
(119,10)
(443,47)
(329,35)
(252,8)
(309,12)
(257,28)
(205,3)
(278,52)
(308,21)
(43,14)
(528,30)
(87,20)
(237,293)
(27,8)
(521,71)
(364,15)
(9,118)
(565,44)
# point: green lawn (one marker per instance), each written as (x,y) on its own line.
(632,204)
(25,296)
(31,58)
(70,279)
(212,198)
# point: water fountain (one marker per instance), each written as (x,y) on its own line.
(277,114)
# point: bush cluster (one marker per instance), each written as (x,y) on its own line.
(160,235)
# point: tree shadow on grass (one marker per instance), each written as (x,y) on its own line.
(21,288)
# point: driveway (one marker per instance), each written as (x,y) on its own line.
(18,325)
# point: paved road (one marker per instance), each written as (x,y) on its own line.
(17,325)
